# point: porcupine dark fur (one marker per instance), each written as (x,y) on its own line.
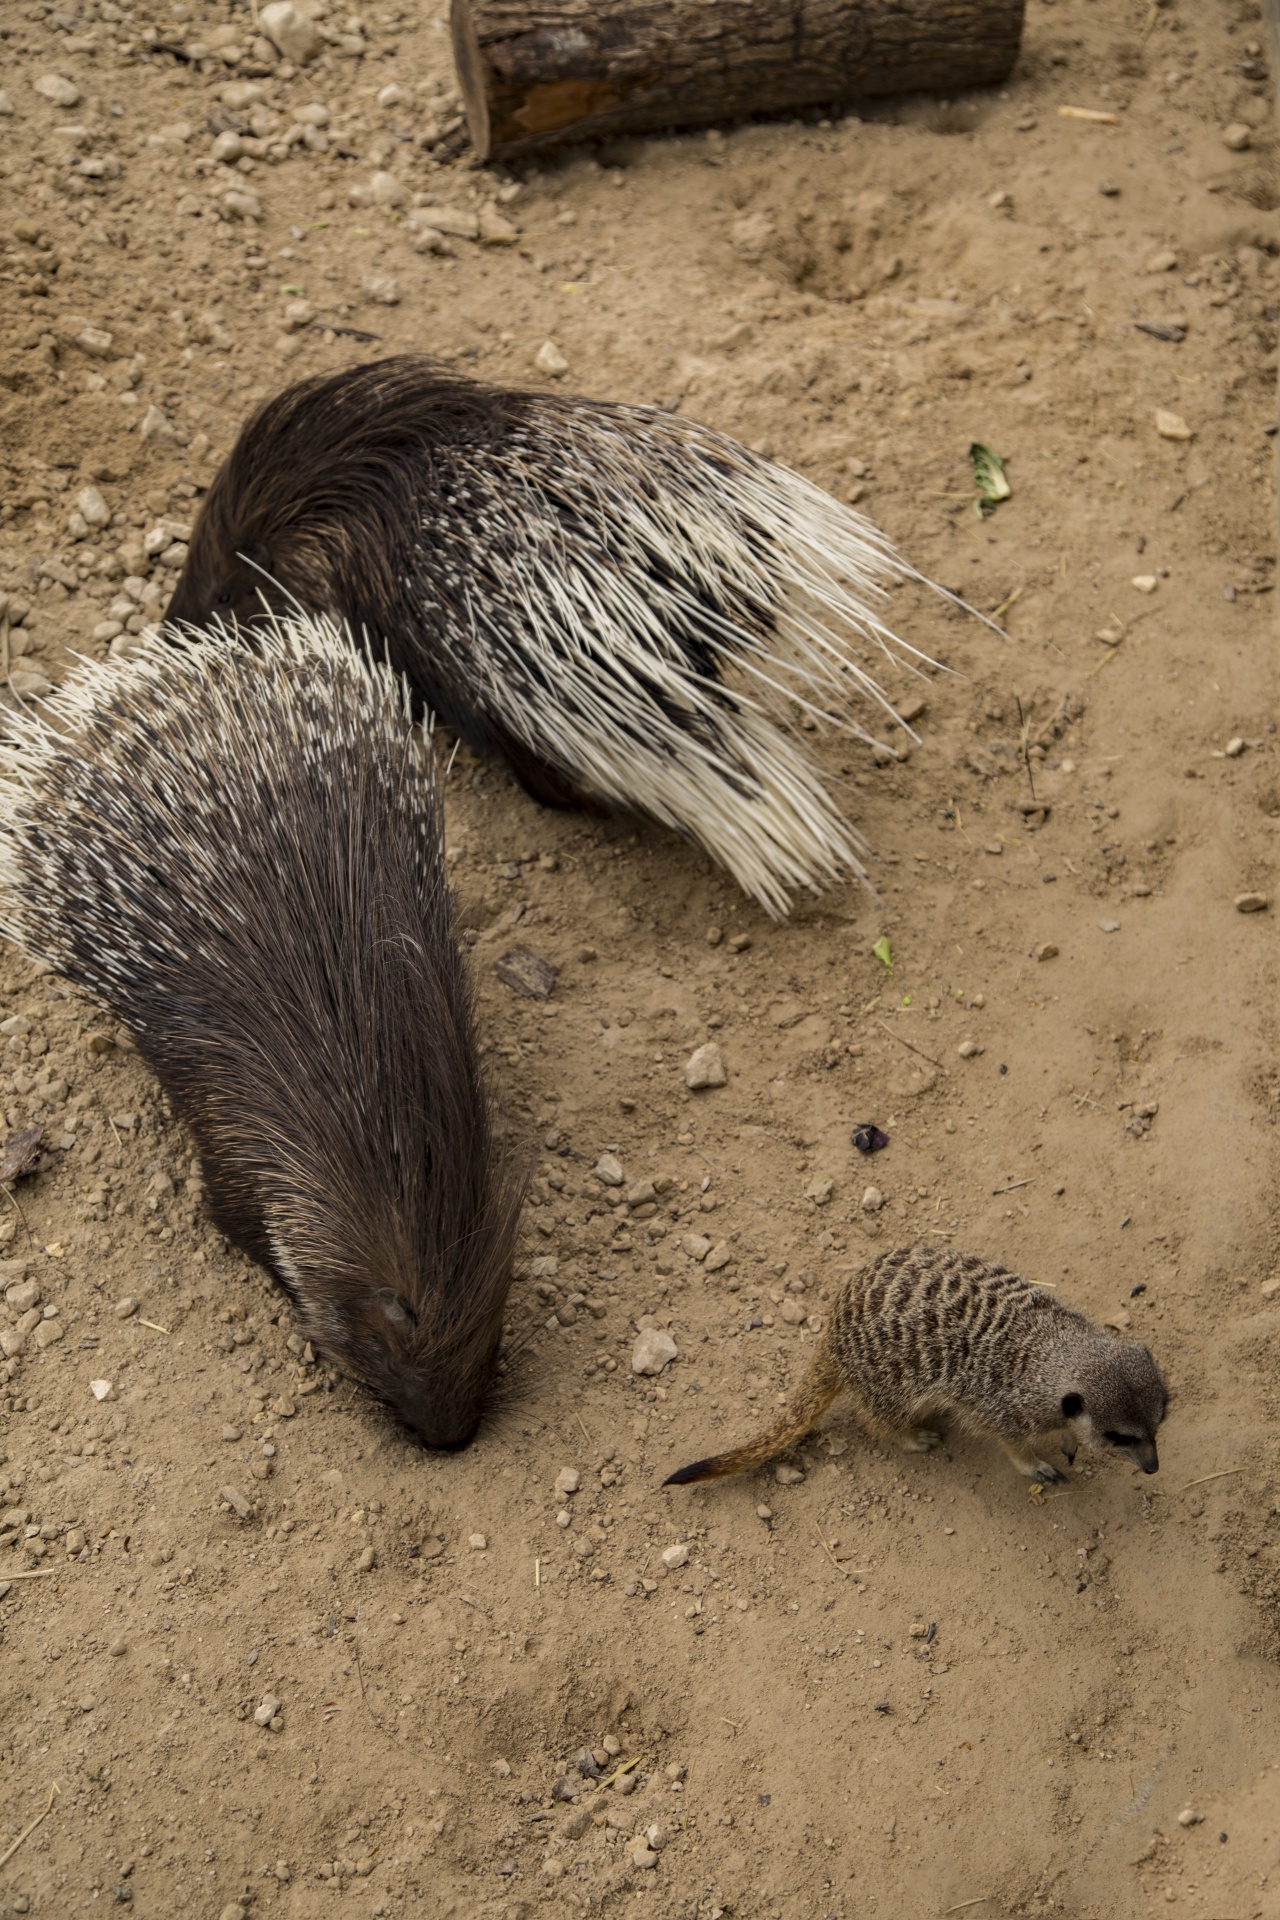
(616,601)
(240,855)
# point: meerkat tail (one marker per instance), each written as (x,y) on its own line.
(817,1390)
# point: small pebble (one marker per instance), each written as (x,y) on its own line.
(1108,926)
(677,1556)
(1237,138)
(705,1068)
(787,1476)
(101,1389)
(1145,582)
(1170,426)
(568,1480)
(266,1711)
(654,1349)
(477,1542)
(1234,748)
(872,1200)
(231,1433)
(969,1050)
(1189,1817)
(1252,902)
(1045,951)
(53,86)
(608,1171)
(126,1307)
(549,359)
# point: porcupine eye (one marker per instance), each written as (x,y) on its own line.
(1072,1404)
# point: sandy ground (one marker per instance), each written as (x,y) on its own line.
(895,1686)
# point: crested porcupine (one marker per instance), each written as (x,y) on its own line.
(617,601)
(239,853)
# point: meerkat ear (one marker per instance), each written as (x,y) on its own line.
(1072,1404)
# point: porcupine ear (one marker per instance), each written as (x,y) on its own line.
(394,1310)
(1072,1404)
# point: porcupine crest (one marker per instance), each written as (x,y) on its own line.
(622,603)
(240,855)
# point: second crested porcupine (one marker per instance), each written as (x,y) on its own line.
(240,855)
(618,602)
(925,1334)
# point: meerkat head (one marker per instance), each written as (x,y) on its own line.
(1115,1402)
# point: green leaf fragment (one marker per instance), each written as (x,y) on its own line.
(988,477)
(883,953)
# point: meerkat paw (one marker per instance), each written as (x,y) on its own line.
(920,1440)
(1041,1470)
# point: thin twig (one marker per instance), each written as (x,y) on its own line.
(1026,757)
(34,1573)
(627,1766)
(977,1901)
(29,1829)
(151,1323)
(1014,1185)
(998,612)
(11,1197)
(582,1423)
(912,1049)
(1225,1474)
(537,1573)
(822,1538)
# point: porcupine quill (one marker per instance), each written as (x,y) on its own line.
(620,603)
(239,854)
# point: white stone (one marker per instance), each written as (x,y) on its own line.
(495,231)
(290,30)
(266,1712)
(95,341)
(872,1200)
(242,206)
(382,288)
(705,1068)
(62,92)
(678,1556)
(787,1476)
(549,359)
(568,1480)
(390,96)
(101,1389)
(92,507)
(156,425)
(1171,426)
(387,191)
(654,1349)
(608,1171)
(459,221)
(227,147)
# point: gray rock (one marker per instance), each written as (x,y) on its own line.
(297,37)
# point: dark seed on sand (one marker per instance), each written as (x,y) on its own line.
(869,1139)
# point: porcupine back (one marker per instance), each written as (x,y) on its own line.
(619,602)
(240,855)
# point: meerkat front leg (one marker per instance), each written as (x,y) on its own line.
(1026,1458)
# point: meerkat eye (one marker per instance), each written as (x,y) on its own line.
(1072,1404)
(1120,1439)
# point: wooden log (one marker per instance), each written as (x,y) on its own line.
(536,71)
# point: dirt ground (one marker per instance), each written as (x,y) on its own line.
(260,1655)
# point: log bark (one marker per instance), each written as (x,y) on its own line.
(533,72)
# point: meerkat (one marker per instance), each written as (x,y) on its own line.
(924,1333)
